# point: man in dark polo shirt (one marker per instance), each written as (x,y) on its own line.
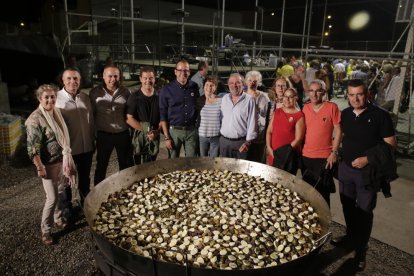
(109,108)
(364,126)
(178,112)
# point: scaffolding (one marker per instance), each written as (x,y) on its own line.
(132,41)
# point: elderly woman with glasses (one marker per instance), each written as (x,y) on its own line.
(285,134)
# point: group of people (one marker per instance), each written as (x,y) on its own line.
(246,123)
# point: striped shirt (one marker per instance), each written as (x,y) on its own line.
(210,121)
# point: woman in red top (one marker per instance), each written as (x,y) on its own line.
(287,126)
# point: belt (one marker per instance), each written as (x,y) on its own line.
(112,133)
(183,127)
(234,139)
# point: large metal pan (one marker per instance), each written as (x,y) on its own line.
(138,265)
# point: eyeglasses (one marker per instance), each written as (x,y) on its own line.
(289,97)
(182,70)
(315,91)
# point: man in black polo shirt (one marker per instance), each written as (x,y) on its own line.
(364,126)
(143,115)
(178,112)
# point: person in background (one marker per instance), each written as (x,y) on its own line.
(275,94)
(299,82)
(350,67)
(285,134)
(288,68)
(239,122)
(386,76)
(263,106)
(209,107)
(331,79)
(322,138)
(392,90)
(310,72)
(178,113)
(322,75)
(202,71)
(143,115)
(109,108)
(48,146)
(228,40)
(368,133)
(77,111)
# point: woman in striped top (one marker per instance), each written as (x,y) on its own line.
(210,119)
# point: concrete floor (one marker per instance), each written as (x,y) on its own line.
(393,217)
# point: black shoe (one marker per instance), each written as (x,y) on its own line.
(342,241)
(360,260)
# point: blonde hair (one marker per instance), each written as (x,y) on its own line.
(272,91)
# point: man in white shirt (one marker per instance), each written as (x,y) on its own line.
(77,112)
(239,120)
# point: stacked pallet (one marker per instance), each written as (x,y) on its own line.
(10,134)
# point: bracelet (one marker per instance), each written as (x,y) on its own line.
(167,138)
(40,168)
(335,152)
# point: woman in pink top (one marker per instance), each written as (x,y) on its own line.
(286,128)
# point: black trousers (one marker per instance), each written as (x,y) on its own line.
(358,204)
(105,143)
(311,170)
(83,162)
(256,152)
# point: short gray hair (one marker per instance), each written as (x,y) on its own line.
(46,87)
(256,74)
(236,75)
(321,84)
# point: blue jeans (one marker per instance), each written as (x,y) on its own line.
(209,146)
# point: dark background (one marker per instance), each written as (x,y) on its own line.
(380,27)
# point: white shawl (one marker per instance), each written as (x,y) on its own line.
(57,124)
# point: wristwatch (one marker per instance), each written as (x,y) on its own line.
(166,138)
(335,151)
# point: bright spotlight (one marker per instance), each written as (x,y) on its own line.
(326,33)
(272,14)
(22,24)
(359,20)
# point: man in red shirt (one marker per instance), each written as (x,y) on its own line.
(320,151)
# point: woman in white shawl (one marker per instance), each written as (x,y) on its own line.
(48,146)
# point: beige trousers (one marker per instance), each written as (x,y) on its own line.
(53,185)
